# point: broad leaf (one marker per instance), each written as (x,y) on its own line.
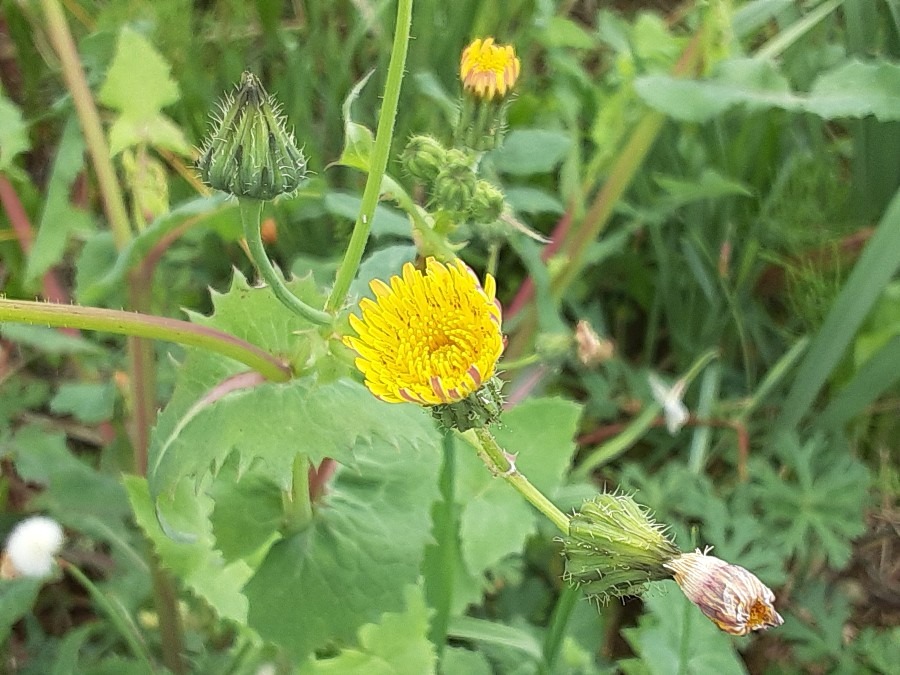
(13,133)
(530,151)
(365,545)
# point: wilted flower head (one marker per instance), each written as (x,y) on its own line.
(730,596)
(250,153)
(488,70)
(592,349)
(430,338)
(614,547)
(31,547)
(676,413)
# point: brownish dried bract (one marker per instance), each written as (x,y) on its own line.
(592,349)
(733,598)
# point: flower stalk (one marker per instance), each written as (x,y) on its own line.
(145,326)
(251,215)
(377,162)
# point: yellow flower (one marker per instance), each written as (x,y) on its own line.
(730,596)
(430,338)
(488,70)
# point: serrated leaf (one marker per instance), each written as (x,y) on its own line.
(60,219)
(495,519)
(365,545)
(193,558)
(674,637)
(396,645)
(531,151)
(13,133)
(138,83)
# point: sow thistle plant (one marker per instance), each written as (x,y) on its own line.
(431,336)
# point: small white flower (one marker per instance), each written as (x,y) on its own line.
(669,398)
(32,545)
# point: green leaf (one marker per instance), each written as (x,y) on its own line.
(47,340)
(530,151)
(365,545)
(397,645)
(87,402)
(358,140)
(13,133)
(533,200)
(495,519)
(381,265)
(17,597)
(192,557)
(138,85)
(874,269)
(59,219)
(674,637)
(460,660)
(814,503)
(385,222)
(854,89)
(493,633)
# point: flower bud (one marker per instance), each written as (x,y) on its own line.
(250,153)
(487,203)
(423,157)
(454,186)
(614,547)
(730,596)
(488,73)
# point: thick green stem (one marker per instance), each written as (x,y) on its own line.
(298,508)
(94,138)
(251,213)
(142,325)
(498,462)
(116,615)
(378,160)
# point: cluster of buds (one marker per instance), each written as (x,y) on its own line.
(451,182)
(250,153)
(614,548)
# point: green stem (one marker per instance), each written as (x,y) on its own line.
(559,621)
(497,461)
(298,508)
(94,138)
(378,161)
(119,619)
(142,325)
(251,213)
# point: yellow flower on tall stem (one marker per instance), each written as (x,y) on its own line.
(431,337)
(489,70)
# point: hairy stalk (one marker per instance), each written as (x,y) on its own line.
(297,505)
(141,325)
(498,461)
(378,160)
(251,213)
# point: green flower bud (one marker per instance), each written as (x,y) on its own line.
(423,158)
(480,409)
(454,186)
(487,204)
(614,547)
(250,153)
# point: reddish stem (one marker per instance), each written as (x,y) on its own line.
(319,477)
(51,289)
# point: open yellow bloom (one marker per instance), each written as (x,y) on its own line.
(488,70)
(430,338)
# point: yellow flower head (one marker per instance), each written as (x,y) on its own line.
(730,596)
(488,70)
(430,338)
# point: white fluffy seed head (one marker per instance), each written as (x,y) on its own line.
(32,545)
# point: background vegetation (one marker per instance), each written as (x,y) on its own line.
(718,180)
